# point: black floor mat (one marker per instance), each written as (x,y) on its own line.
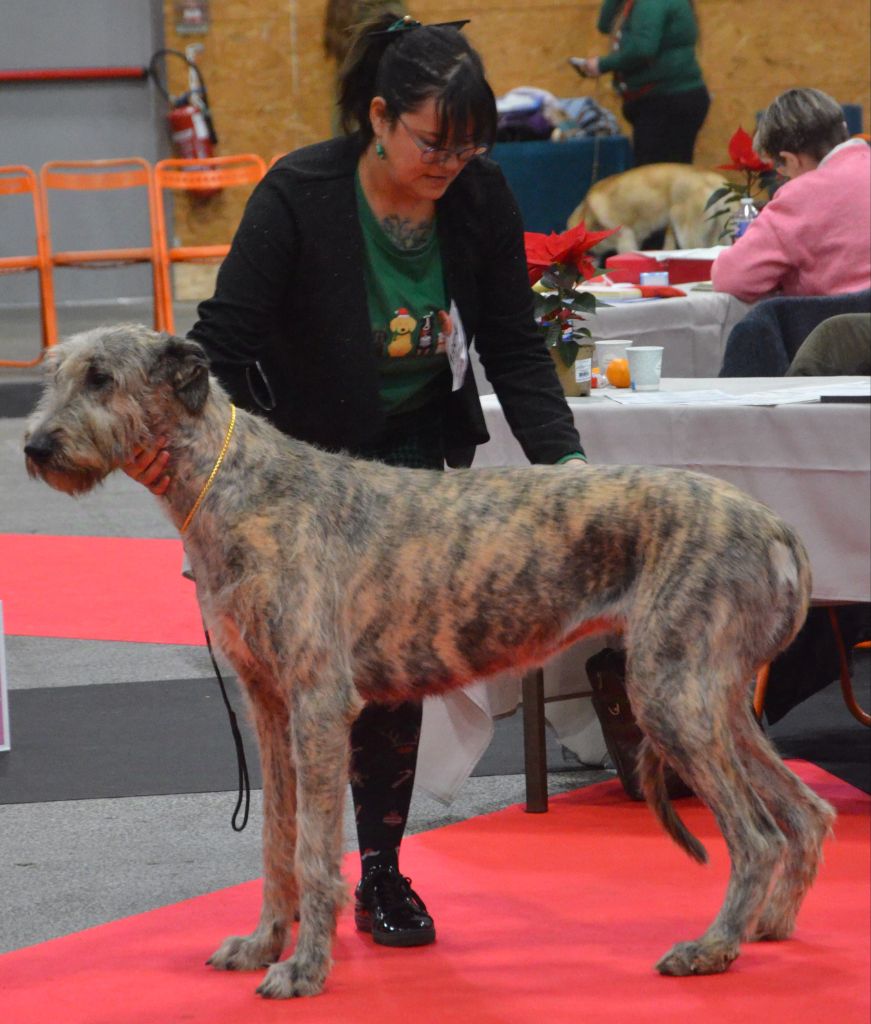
(121,740)
(170,737)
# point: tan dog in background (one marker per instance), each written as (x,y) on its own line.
(650,198)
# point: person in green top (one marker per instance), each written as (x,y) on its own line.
(653,61)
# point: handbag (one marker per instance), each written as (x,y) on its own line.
(622,734)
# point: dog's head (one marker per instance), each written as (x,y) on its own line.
(107,392)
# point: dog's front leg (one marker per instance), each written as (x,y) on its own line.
(280,890)
(323,711)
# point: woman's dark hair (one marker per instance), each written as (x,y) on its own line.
(800,121)
(408,67)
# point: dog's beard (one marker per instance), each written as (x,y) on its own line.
(69,481)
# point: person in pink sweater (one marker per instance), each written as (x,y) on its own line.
(814,236)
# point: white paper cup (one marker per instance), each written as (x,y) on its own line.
(608,350)
(645,367)
(655,277)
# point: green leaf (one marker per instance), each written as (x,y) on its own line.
(545,305)
(552,334)
(585,301)
(719,194)
(567,276)
(568,352)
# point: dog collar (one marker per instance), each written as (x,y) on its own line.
(214,472)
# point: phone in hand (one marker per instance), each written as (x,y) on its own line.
(579,64)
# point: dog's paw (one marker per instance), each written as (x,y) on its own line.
(245,953)
(291,978)
(688,958)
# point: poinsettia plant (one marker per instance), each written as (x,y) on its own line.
(745,161)
(557,263)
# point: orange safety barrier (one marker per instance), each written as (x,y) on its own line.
(192,175)
(106,175)
(16,179)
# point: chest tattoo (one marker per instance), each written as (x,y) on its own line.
(405,233)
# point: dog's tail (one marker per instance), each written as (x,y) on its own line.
(651,773)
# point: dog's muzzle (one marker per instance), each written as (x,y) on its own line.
(40,449)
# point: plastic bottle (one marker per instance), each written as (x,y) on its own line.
(747,211)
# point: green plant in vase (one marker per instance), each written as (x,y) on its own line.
(757,180)
(557,263)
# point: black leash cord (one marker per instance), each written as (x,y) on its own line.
(244,781)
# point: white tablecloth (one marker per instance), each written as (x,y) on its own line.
(811,463)
(693,331)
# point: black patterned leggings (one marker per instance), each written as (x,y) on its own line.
(384,743)
(385,737)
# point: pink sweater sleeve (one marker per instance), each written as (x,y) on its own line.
(756,264)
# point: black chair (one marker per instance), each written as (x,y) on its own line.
(764,341)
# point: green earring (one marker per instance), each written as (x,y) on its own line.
(379,150)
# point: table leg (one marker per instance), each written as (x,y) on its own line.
(534,751)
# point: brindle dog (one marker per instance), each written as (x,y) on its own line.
(330,581)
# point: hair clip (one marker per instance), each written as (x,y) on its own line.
(408,23)
(404,24)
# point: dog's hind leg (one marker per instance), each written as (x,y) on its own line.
(280,894)
(687,720)
(323,711)
(803,817)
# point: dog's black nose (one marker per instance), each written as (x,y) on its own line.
(39,449)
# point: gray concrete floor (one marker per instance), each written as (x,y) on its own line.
(65,866)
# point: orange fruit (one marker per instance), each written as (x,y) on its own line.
(618,373)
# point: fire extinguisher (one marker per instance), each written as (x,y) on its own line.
(189,119)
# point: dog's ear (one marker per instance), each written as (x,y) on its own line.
(187,369)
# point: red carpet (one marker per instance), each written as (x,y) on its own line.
(553,918)
(97,588)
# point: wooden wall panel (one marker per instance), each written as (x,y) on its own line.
(271,87)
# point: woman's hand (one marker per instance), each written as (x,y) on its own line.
(591,69)
(148,467)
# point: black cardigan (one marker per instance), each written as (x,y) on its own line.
(291,296)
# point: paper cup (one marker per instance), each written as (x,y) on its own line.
(608,350)
(645,367)
(655,277)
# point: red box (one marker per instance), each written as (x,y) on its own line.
(626,268)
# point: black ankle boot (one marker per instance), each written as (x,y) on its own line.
(387,906)
(607,673)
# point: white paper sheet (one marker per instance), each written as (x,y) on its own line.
(714,396)
(710,253)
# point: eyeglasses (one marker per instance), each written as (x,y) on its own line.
(435,155)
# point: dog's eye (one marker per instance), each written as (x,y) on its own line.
(96,379)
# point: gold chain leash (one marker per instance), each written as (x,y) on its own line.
(214,472)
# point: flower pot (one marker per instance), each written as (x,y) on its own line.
(575,379)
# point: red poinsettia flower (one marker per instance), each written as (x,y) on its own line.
(743,156)
(568,248)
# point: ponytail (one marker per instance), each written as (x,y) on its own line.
(359,72)
(407,63)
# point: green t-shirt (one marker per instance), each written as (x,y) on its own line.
(405,289)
